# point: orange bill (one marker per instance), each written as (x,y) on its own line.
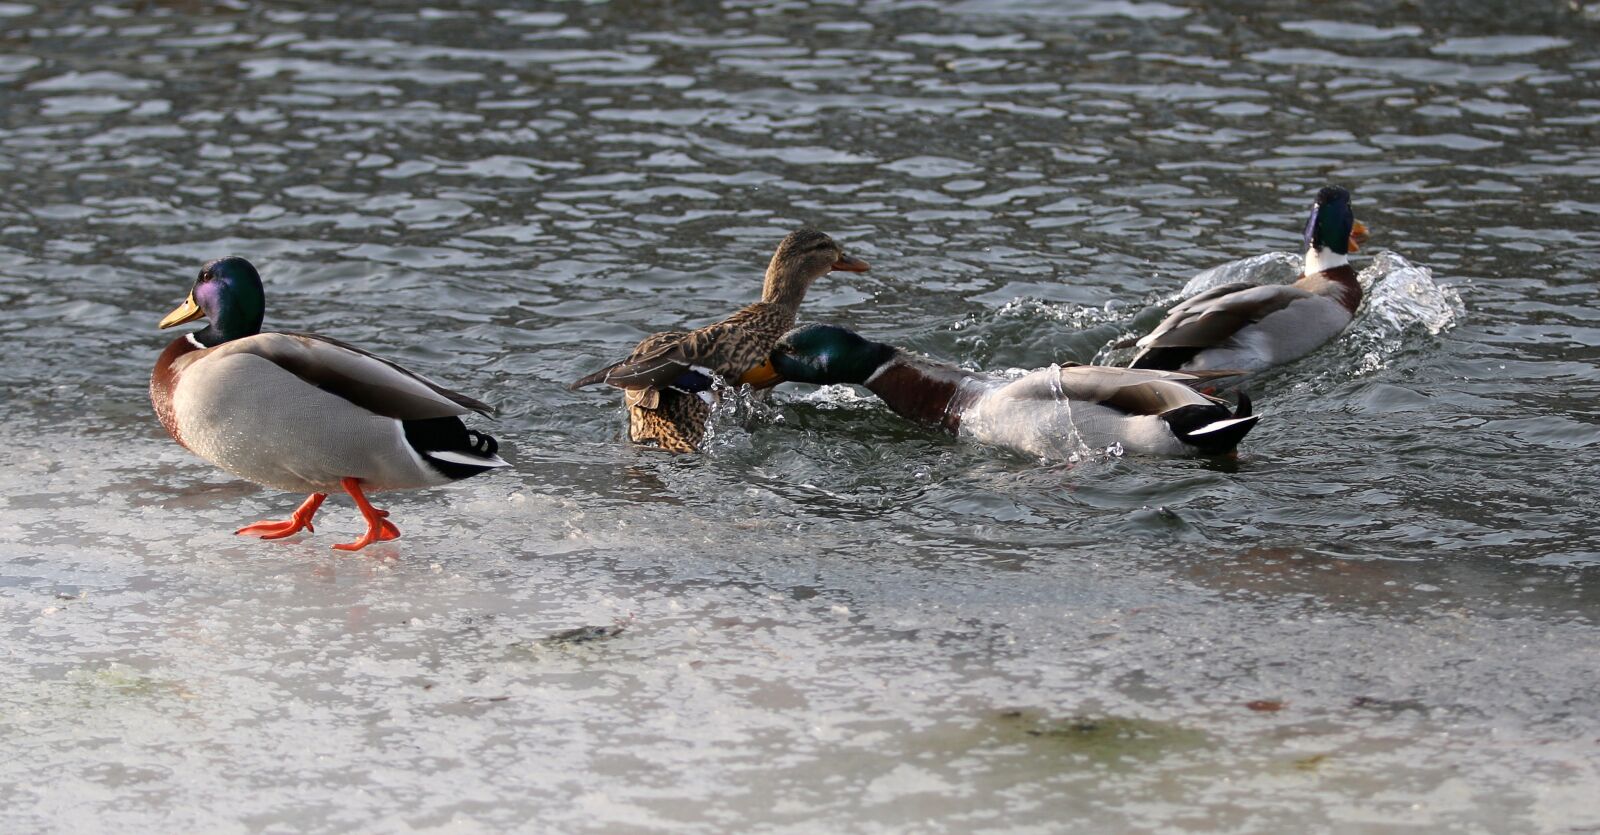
(763,376)
(1358,236)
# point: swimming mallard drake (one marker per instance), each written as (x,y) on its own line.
(667,380)
(1245,328)
(1047,412)
(305,413)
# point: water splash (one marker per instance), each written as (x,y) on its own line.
(1033,310)
(733,417)
(1402,299)
(838,396)
(1043,427)
(1268,268)
(1029,330)
(1402,295)
(1068,444)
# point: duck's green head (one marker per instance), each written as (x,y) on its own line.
(827,354)
(1332,225)
(228,292)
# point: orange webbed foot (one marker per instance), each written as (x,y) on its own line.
(288,527)
(365,540)
(379,529)
(274,530)
(384,532)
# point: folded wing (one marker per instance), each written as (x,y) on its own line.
(1136,391)
(367,380)
(1215,315)
(671,359)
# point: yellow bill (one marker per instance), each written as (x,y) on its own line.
(186,312)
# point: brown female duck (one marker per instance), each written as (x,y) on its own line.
(667,380)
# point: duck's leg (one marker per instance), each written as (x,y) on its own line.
(288,527)
(379,529)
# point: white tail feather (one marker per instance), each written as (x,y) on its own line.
(1218,426)
(467,459)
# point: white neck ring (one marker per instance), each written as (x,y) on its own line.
(1321,258)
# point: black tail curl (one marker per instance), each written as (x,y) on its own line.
(449,434)
(483,444)
(1195,425)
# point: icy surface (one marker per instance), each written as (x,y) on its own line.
(1381,618)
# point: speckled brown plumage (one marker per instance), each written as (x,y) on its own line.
(676,424)
(664,375)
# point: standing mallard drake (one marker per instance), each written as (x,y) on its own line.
(667,380)
(1246,328)
(305,413)
(1046,413)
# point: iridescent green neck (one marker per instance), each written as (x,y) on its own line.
(229,328)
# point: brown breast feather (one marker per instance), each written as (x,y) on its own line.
(164,381)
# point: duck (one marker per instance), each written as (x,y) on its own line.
(1047,413)
(1248,328)
(669,379)
(305,413)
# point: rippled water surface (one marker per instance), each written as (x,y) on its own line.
(1381,618)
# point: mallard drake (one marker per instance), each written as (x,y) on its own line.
(1246,328)
(305,413)
(1044,413)
(667,381)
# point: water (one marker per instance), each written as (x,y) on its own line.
(1381,618)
